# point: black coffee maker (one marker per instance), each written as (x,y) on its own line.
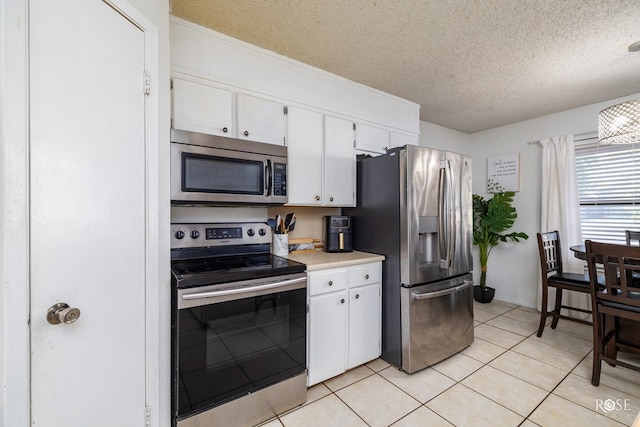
(337,233)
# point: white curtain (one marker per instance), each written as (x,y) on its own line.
(560,210)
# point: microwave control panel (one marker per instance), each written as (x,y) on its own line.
(279,179)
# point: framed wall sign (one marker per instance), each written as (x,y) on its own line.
(503,173)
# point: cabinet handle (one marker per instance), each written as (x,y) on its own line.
(342,301)
(366,277)
(331,199)
(330,282)
(357,296)
(317,197)
(246,133)
(225,130)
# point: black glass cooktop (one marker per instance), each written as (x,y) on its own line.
(233,268)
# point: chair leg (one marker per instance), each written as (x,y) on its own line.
(598,348)
(610,348)
(556,311)
(543,309)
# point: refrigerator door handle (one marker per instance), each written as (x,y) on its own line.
(446,224)
(429,295)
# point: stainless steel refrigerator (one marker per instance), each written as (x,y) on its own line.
(414,206)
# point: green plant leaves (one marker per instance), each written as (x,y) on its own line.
(491,218)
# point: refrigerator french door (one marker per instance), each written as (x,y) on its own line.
(414,206)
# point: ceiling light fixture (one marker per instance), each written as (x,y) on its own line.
(620,123)
(634,47)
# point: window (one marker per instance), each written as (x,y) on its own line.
(609,189)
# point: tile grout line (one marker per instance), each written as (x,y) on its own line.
(456,382)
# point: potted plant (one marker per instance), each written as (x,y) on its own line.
(491,218)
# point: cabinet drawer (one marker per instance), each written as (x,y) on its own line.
(364,274)
(322,282)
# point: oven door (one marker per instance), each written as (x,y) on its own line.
(232,340)
(205,175)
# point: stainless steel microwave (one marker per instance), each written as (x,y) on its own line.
(208,169)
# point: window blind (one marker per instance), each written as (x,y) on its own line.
(609,189)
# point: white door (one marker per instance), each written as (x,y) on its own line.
(371,138)
(364,325)
(327,336)
(304,152)
(260,119)
(399,139)
(201,108)
(87,214)
(340,162)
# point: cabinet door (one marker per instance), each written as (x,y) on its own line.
(340,162)
(371,138)
(260,119)
(364,325)
(327,336)
(200,108)
(304,141)
(400,139)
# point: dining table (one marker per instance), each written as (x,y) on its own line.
(627,330)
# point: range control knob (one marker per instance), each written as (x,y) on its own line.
(262,232)
(179,234)
(195,234)
(250,232)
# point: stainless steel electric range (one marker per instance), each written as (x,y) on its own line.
(238,326)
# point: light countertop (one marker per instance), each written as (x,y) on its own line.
(320,260)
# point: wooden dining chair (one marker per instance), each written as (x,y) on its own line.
(632,237)
(618,300)
(554,277)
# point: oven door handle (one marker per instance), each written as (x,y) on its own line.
(246,289)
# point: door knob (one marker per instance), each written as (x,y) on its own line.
(62,313)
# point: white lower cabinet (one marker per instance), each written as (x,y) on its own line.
(364,330)
(344,319)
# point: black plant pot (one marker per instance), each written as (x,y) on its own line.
(483,295)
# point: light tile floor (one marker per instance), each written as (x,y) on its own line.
(507,377)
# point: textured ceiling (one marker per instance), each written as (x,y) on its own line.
(471,65)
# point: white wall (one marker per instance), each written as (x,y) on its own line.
(513,269)
(440,137)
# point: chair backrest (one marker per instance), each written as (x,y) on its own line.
(633,237)
(550,253)
(618,263)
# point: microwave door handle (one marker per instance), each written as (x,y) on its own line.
(267,177)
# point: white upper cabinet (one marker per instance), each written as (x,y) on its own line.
(372,139)
(399,139)
(305,163)
(201,108)
(340,162)
(321,159)
(197,51)
(260,119)
(207,109)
